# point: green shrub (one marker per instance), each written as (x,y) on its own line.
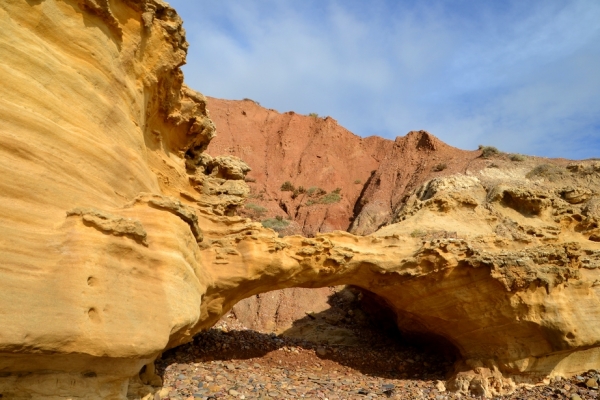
(314,115)
(287,187)
(298,191)
(258,196)
(488,151)
(323,197)
(315,191)
(255,207)
(357,182)
(440,167)
(255,211)
(517,157)
(278,223)
(549,171)
(333,197)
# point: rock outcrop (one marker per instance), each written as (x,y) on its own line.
(96,276)
(119,237)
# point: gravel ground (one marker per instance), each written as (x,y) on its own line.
(244,364)
(232,362)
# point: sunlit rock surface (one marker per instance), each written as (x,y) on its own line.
(119,237)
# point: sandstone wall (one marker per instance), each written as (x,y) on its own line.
(92,113)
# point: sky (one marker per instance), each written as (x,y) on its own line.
(523,76)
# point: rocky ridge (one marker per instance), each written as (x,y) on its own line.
(373,176)
(120,240)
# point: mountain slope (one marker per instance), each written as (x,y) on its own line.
(372,175)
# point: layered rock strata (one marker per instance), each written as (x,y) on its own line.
(119,237)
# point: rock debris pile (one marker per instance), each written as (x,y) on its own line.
(250,365)
(223,364)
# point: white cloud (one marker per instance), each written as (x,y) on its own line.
(519,75)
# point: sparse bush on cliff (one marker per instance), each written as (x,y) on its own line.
(314,115)
(315,191)
(254,101)
(547,171)
(287,187)
(488,151)
(440,167)
(319,196)
(330,198)
(357,182)
(255,209)
(517,157)
(298,191)
(277,224)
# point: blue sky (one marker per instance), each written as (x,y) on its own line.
(523,76)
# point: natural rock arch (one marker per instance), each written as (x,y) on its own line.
(117,238)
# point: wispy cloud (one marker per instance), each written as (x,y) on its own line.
(523,76)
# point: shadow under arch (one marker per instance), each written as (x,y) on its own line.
(372,344)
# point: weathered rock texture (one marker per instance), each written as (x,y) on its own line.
(119,239)
(96,277)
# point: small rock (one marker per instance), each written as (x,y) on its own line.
(321,351)
(592,383)
(214,388)
(575,396)
(440,386)
(233,392)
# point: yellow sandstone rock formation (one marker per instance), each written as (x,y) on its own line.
(118,236)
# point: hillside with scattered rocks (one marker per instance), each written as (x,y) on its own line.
(319,177)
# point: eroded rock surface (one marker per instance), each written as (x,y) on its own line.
(373,174)
(119,237)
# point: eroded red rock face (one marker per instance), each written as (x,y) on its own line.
(372,175)
(409,162)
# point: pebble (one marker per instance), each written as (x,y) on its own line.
(236,363)
(203,370)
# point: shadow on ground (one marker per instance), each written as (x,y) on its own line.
(354,333)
